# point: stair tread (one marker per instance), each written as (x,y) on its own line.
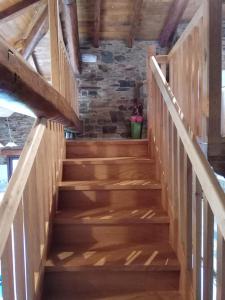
(164,295)
(120,257)
(107,160)
(106,215)
(113,142)
(110,184)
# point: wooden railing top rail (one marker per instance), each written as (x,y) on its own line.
(23,84)
(194,22)
(210,185)
(13,194)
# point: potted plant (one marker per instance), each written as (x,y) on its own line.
(137,121)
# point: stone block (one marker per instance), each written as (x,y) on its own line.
(127,83)
(109,129)
(107,57)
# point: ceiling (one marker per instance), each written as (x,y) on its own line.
(118,19)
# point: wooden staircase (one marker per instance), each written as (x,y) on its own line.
(110,236)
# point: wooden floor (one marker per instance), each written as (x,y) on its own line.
(110,236)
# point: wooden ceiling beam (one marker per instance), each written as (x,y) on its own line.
(15,10)
(97,23)
(36,33)
(21,83)
(72,34)
(172,21)
(134,22)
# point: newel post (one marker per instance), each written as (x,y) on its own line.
(150,117)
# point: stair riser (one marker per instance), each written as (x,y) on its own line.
(100,150)
(109,171)
(64,234)
(84,200)
(108,283)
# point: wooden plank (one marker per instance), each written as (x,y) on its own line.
(15,10)
(18,230)
(36,33)
(203,170)
(7,269)
(97,23)
(197,238)
(208,231)
(173,19)
(150,114)
(220,267)
(23,84)
(212,81)
(10,152)
(53,10)
(135,20)
(72,34)
(188,217)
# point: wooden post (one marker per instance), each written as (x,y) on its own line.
(72,33)
(151,52)
(54,42)
(220,267)
(212,80)
(208,229)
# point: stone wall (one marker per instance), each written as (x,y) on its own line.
(108,88)
(20,126)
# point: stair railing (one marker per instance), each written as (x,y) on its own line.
(63,77)
(195,66)
(26,210)
(191,193)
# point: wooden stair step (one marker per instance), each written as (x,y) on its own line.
(100,271)
(162,295)
(76,233)
(108,168)
(107,148)
(112,199)
(124,257)
(106,215)
(107,160)
(109,185)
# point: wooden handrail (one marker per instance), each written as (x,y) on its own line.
(18,181)
(209,183)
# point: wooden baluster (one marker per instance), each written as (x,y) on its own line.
(173,180)
(220,266)
(188,217)
(170,182)
(164,160)
(28,231)
(208,230)
(197,236)
(7,270)
(19,250)
(180,186)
